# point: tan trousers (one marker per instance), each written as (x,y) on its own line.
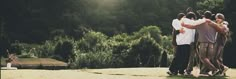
(207,54)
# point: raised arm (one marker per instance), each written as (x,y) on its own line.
(188,26)
(219,28)
(195,24)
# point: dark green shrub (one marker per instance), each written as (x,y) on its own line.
(93,60)
(164,59)
(120,49)
(154,32)
(119,53)
(64,51)
(47,49)
(167,44)
(93,41)
(144,52)
(25,50)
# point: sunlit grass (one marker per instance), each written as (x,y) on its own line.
(107,73)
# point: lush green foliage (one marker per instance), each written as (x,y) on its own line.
(96,50)
(216,6)
(153,31)
(144,52)
(93,41)
(49,28)
(37,20)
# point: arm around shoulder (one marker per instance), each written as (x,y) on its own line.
(217,27)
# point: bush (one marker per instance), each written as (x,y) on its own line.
(25,50)
(119,53)
(144,52)
(154,32)
(101,59)
(64,49)
(167,44)
(96,50)
(164,59)
(93,41)
(47,49)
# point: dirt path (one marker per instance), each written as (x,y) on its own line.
(117,73)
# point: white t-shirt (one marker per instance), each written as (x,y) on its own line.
(188,36)
(176,24)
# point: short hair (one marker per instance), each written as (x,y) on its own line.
(220,16)
(189,9)
(180,15)
(191,15)
(208,14)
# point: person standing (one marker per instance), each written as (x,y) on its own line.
(221,39)
(207,32)
(193,58)
(173,69)
(183,41)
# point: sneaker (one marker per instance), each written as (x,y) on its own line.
(171,73)
(196,72)
(215,72)
(225,69)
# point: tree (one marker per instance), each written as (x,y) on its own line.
(230,14)
(215,6)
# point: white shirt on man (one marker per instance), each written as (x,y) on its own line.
(188,36)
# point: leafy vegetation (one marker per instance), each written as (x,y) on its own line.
(97,50)
(121,29)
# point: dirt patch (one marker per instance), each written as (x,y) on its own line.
(36,63)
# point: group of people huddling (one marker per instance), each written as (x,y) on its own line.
(199,44)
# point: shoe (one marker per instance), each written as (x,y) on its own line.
(196,72)
(225,69)
(171,73)
(214,73)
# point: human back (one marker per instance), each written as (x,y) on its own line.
(206,33)
(205,30)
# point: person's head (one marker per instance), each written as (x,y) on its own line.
(191,15)
(208,14)
(189,9)
(219,17)
(180,15)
